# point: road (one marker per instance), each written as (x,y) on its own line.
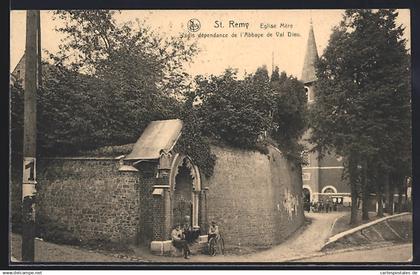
(302,246)
(302,243)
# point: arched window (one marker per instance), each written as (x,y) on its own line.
(329,189)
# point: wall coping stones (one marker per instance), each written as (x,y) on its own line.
(361,227)
(127,168)
(163,186)
(81,158)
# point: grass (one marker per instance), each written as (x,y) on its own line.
(343,223)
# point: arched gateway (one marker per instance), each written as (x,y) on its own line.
(177,197)
(185,186)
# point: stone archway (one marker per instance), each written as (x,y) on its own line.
(182,203)
(185,186)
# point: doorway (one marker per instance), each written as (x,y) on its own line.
(182,197)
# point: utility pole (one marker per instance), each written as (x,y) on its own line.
(39,49)
(29,136)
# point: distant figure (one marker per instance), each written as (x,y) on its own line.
(178,240)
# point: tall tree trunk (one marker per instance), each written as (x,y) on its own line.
(386,195)
(354,191)
(399,203)
(365,204)
(379,198)
(365,193)
(390,195)
(354,208)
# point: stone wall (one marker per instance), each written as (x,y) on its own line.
(256,199)
(89,198)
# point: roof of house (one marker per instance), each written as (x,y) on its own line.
(311,56)
(159,135)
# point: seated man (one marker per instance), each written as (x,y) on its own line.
(213,231)
(188,231)
(178,240)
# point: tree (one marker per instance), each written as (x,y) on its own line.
(192,141)
(236,112)
(362,95)
(249,113)
(108,82)
(130,54)
(288,113)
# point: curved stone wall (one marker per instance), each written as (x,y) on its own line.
(255,199)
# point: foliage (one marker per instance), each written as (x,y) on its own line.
(245,113)
(235,111)
(16,116)
(108,82)
(79,112)
(289,113)
(192,141)
(362,107)
(130,54)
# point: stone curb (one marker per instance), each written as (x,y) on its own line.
(341,235)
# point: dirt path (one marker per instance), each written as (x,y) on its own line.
(301,244)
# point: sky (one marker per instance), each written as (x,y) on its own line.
(255,48)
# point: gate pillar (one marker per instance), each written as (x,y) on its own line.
(161,220)
(202,217)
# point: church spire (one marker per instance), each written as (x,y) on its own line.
(311,56)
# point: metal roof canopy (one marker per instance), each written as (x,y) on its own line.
(158,135)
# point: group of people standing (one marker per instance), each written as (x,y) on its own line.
(323,205)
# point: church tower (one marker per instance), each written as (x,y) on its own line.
(308,71)
(310,171)
(321,177)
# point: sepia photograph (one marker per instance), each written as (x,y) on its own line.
(210,136)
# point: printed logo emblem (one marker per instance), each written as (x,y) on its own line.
(193,25)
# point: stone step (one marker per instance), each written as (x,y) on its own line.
(195,248)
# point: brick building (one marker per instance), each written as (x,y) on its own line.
(321,177)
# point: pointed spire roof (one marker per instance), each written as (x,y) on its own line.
(311,56)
